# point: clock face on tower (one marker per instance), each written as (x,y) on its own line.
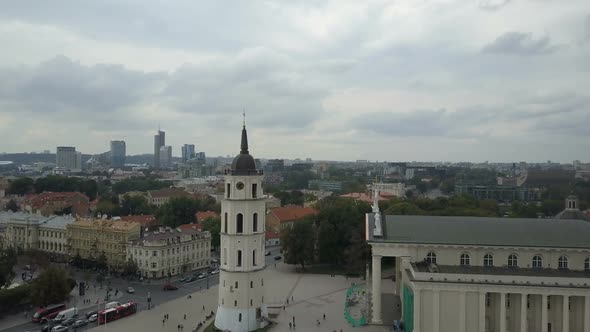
(240,185)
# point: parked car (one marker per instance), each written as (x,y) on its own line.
(47,327)
(90,314)
(59,328)
(169,287)
(130,290)
(66,314)
(69,321)
(202,275)
(80,323)
(215,271)
(93,318)
(278,258)
(267,253)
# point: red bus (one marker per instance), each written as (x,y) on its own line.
(124,310)
(47,313)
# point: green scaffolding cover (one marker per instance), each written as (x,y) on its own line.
(408,309)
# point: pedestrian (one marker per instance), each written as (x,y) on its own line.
(324,316)
(287,301)
(178,327)
(289,325)
(163,321)
(318,322)
(291,298)
(184,316)
(293,326)
(293,319)
(203,308)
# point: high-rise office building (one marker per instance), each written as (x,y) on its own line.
(67,158)
(165,157)
(159,141)
(188,152)
(118,152)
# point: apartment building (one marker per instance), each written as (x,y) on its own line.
(168,252)
(91,237)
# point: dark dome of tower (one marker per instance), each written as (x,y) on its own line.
(244,164)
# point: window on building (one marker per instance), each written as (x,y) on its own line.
(255,222)
(488,299)
(465,259)
(239,317)
(587,264)
(251,284)
(513,260)
(528,301)
(254,257)
(254,190)
(224,256)
(562,263)
(431,257)
(154,265)
(236,285)
(225,222)
(239,258)
(262,283)
(507,300)
(228,190)
(488,260)
(235,303)
(537,261)
(154,253)
(548,302)
(239,223)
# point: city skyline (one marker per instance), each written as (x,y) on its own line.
(337,80)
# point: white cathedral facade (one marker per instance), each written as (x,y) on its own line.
(241,280)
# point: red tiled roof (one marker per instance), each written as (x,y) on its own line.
(188,227)
(272,235)
(202,215)
(290,213)
(47,197)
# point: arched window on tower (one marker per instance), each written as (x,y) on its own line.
(431,257)
(488,260)
(224,256)
(465,260)
(255,222)
(228,190)
(562,263)
(254,190)
(225,223)
(537,261)
(239,223)
(239,258)
(513,260)
(254,257)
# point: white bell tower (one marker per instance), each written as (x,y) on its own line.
(241,282)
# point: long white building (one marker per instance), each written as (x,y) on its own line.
(468,274)
(241,282)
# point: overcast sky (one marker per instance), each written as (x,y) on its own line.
(450,80)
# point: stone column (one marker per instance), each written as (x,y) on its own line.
(462,311)
(435,310)
(586,313)
(565,316)
(502,312)
(482,312)
(376,295)
(523,312)
(417,310)
(543,313)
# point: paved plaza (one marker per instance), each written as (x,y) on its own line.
(312,296)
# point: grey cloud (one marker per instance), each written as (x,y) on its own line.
(552,114)
(492,4)
(520,43)
(61,85)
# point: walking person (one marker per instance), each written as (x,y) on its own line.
(184,316)
(293,319)
(324,316)
(290,325)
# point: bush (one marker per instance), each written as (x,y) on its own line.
(14,297)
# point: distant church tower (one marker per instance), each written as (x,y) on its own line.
(241,282)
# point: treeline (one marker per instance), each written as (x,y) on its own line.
(55,183)
(139,184)
(335,236)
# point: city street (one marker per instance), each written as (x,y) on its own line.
(142,289)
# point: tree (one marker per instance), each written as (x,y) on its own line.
(213,225)
(357,253)
(20,186)
(11,206)
(135,205)
(7,262)
(178,211)
(130,268)
(36,259)
(294,197)
(52,286)
(298,243)
(101,262)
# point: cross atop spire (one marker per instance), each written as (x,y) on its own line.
(244,115)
